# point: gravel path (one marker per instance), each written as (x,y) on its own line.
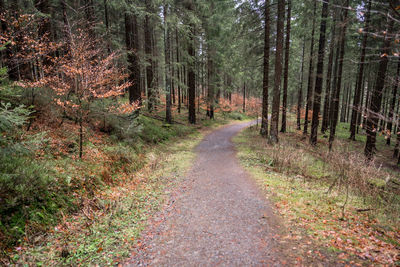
(218,217)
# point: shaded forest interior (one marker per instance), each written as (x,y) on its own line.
(90,88)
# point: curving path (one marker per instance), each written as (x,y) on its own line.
(218,217)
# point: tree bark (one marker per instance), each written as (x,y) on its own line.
(325,116)
(376,97)
(393,104)
(286,70)
(132,45)
(357,93)
(336,93)
(278,72)
(244,97)
(148,46)
(310,71)
(300,92)
(167,41)
(178,70)
(320,75)
(191,72)
(264,119)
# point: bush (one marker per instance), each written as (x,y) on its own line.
(27,189)
(236,116)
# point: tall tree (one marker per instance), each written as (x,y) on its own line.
(310,70)
(376,96)
(393,103)
(327,101)
(320,75)
(167,67)
(300,92)
(191,71)
(334,109)
(286,70)
(359,83)
(148,46)
(132,46)
(264,120)
(278,72)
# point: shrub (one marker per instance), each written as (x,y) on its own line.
(27,189)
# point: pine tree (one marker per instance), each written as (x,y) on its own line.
(278,72)
(320,74)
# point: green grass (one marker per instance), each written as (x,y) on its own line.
(299,191)
(108,235)
(122,181)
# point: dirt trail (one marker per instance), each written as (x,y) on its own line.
(218,218)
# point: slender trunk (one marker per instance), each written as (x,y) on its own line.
(191,74)
(357,93)
(348,105)
(343,105)
(376,97)
(300,92)
(325,116)
(178,70)
(168,113)
(210,65)
(310,71)
(148,46)
(278,72)
(244,97)
(107,23)
(264,119)
(90,17)
(286,71)
(393,103)
(320,75)
(335,99)
(132,46)
(358,122)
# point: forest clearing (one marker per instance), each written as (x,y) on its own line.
(199,133)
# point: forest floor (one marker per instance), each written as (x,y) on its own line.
(356,228)
(132,182)
(219,216)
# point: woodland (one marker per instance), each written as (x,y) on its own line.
(103,102)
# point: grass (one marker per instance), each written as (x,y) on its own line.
(122,180)
(297,179)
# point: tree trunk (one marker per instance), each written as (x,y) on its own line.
(178,70)
(264,119)
(336,93)
(167,41)
(325,116)
(244,97)
(300,92)
(44,24)
(148,46)
(393,104)
(376,96)
(286,71)
(132,45)
(320,75)
(90,17)
(310,71)
(357,93)
(278,72)
(210,96)
(191,74)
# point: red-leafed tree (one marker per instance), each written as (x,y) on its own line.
(80,76)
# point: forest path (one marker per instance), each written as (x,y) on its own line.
(218,218)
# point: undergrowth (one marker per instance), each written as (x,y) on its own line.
(341,201)
(59,209)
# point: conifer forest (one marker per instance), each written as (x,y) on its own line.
(199,133)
